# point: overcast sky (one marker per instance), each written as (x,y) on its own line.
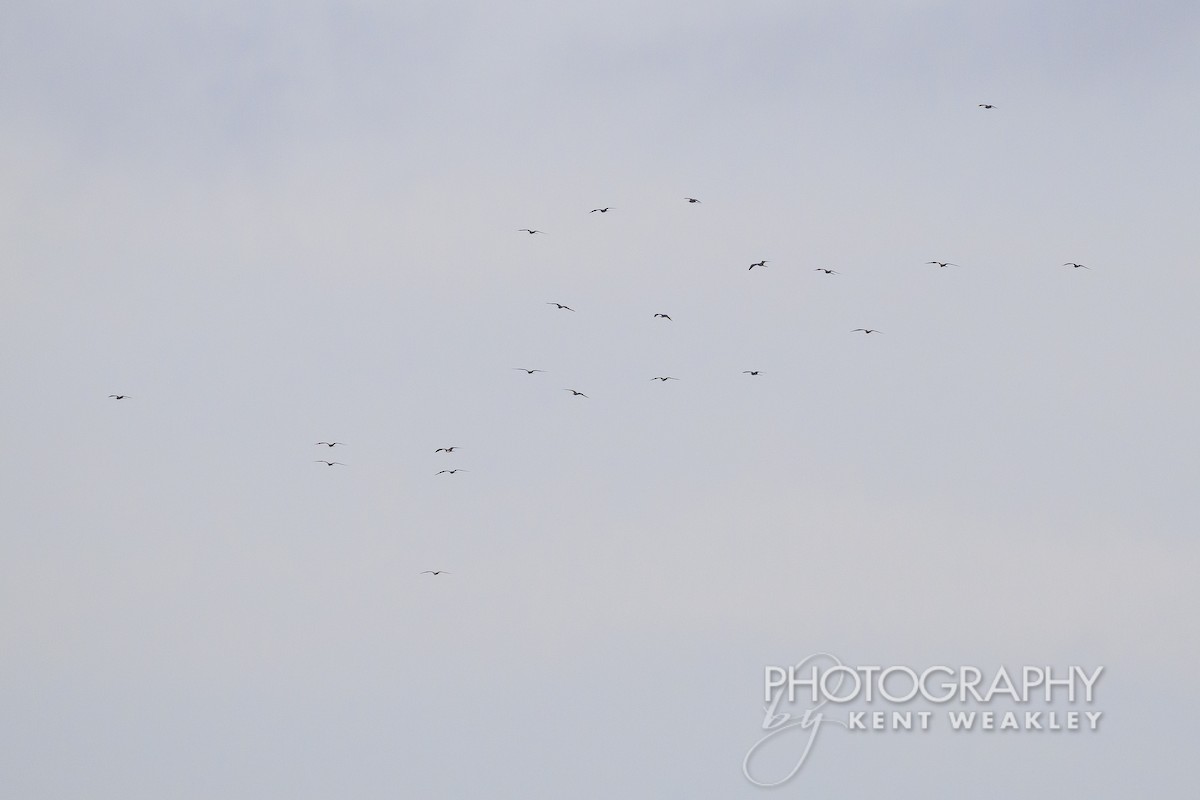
(274,223)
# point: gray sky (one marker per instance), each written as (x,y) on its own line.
(277,223)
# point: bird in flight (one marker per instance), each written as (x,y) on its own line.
(118,396)
(575,393)
(691,200)
(446,449)
(528,371)
(1075,266)
(827,271)
(664,316)
(601,210)
(451,471)
(942,263)
(664,379)
(331,444)
(527,230)
(762,263)
(329,463)
(866,330)
(750,371)
(986,105)
(435,572)
(560,305)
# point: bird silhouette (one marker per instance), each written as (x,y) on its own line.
(601,210)
(664,316)
(331,444)
(664,379)
(329,463)
(866,330)
(446,449)
(691,200)
(986,105)
(118,396)
(758,264)
(942,263)
(527,230)
(560,305)
(1075,266)
(435,572)
(450,471)
(575,393)
(827,271)
(750,371)
(528,371)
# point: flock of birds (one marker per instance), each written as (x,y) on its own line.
(575,392)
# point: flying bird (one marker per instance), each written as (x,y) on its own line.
(827,271)
(435,572)
(560,305)
(986,105)
(331,444)
(329,463)
(750,371)
(451,471)
(758,264)
(528,371)
(575,393)
(691,200)
(942,263)
(446,449)
(118,396)
(664,380)
(1075,266)
(664,316)
(866,330)
(601,210)
(527,230)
